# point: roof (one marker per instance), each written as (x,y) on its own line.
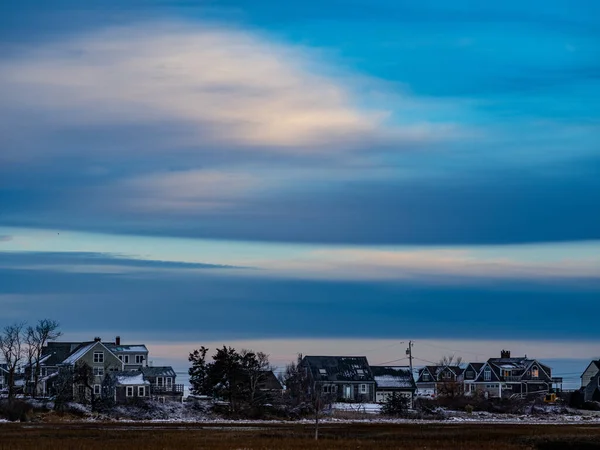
(393,377)
(134,348)
(593,363)
(269,382)
(79,352)
(57,352)
(339,368)
(476,366)
(128,378)
(162,371)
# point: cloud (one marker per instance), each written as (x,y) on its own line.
(228,86)
(92,262)
(462,266)
(192,190)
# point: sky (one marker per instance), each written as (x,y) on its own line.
(312,177)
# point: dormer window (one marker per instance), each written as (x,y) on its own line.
(425,376)
(323,371)
(487,374)
(535,373)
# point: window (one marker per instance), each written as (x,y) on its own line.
(129,391)
(159,381)
(487,374)
(446,375)
(326,389)
(98,371)
(323,371)
(470,374)
(125,359)
(97,389)
(98,357)
(169,382)
(43,371)
(360,371)
(141,391)
(363,389)
(425,376)
(139,359)
(535,372)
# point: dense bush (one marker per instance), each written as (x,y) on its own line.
(395,405)
(14,410)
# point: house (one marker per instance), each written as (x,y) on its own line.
(507,376)
(105,360)
(469,375)
(390,380)
(344,378)
(432,380)
(162,383)
(590,382)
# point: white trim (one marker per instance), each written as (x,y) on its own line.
(127,391)
(141,391)
(99,389)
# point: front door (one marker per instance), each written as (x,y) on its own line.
(347,391)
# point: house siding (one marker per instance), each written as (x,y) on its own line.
(589,374)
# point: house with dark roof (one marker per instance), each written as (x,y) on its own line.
(508,376)
(432,379)
(590,382)
(470,374)
(390,380)
(344,378)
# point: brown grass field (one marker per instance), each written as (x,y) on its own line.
(147,436)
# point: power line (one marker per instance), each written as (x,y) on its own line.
(393,360)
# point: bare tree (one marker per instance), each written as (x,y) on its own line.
(451,360)
(38,337)
(256,366)
(11,348)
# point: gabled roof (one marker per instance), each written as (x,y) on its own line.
(592,363)
(82,350)
(393,377)
(339,368)
(128,378)
(57,352)
(162,371)
(435,371)
(477,366)
(269,382)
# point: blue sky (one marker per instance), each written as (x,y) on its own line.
(251,172)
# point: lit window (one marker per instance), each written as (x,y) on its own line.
(98,357)
(535,372)
(129,391)
(141,391)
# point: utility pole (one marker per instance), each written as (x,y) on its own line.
(410,357)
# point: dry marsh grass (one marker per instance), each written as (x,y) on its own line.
(117,436)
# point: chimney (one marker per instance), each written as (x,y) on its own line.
(505,354)
(118,340)
(97,339)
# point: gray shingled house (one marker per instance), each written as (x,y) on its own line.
(346,378)
(590,382)
(391,380)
